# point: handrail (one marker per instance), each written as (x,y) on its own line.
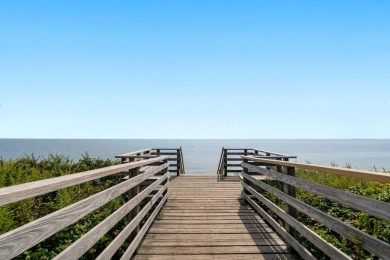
(273,153)
(32,189)
(16,241)
(134,154)
(251,187)
(220,170)
(155,152)
(227,161)
(370,175)
(177,158)
(182,168)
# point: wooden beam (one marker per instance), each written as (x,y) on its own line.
(372,207)
(20,239)
(83,244)
(370,175)
(32,189)
(366,241)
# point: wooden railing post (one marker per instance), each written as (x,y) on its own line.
(164,172)
(132,193)
(178,162)
(246,181)
(269,168)
(182,171)
(225,161)
(291,191)
(279,168)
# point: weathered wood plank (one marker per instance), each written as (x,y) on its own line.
(208,221)
(227,201)
(208,214)
(155,230)
(370,175)
(204,190)
(366,241)
(189,188)
(211,204)
(207,242)
(218,257)
(211,194)
(195,188)
(203,199)
(273,153)
(141,152)
(83,244)
(205,208)
(224,217)
(20,239)
(314,238)
(207,205)
(370,206)
(110,250)
(212,236)
(208,211)
(159,225)
(203,218)
(28,190)
(137,240)
(144,250)
(303,252)
(136,156)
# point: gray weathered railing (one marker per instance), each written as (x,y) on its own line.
(15,242)
(230,160)
(285,174)
(174,155)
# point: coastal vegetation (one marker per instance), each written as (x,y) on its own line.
(31,168)
(368,224)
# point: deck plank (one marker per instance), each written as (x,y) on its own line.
(218,257)
(206,218)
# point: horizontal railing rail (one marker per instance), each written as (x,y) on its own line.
(369,175)
(135,156)
(175,156)
(230,159)
(284,173)
(17,241)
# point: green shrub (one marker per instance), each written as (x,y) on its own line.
(31,168)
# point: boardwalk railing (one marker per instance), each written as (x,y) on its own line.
(151,197)
(175,157)
(254,188)
(230,160)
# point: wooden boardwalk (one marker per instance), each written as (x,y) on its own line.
(202,216)
(206,218)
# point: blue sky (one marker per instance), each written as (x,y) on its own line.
(194,69)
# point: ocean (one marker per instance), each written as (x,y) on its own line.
(202,155)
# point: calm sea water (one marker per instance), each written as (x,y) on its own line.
(202,155)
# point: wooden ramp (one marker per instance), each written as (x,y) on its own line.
(206,218)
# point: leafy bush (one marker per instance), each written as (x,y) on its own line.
(31,168)
(369,224)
